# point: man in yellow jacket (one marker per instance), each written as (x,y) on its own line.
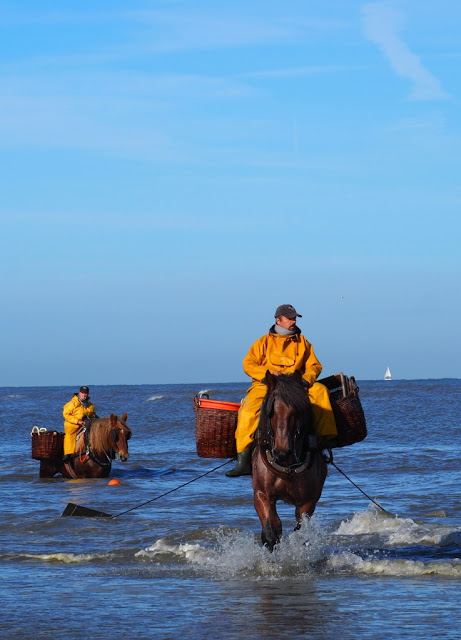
(282,350)
(74,412)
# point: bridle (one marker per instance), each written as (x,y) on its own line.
(110,455)
(114,439)
(265,439)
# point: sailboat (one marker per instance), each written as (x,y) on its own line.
(388,375)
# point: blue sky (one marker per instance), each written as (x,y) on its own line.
(173,171)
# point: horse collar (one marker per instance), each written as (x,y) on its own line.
(292,470)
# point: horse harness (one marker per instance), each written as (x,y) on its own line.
(89,453)
(266,444)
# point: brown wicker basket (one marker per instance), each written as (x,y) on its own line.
(47,444)
(347,409)
(215,424)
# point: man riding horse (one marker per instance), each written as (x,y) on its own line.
(75,412)
(282,350)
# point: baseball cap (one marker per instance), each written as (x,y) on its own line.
(286,310)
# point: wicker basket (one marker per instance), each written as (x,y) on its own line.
(215,424)
(347,409)
(47,444)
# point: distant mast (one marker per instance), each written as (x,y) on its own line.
(388,375)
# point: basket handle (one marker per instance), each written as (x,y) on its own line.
(353,385)
(198,397)
(37,431)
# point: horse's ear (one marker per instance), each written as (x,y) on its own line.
(297,376)
(112,418)
(124,417)
(270,380)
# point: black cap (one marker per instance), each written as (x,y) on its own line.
(84,390)
(286,310)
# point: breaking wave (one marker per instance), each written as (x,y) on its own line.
(366,544)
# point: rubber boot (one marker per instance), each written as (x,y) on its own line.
(243,467)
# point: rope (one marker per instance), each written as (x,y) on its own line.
(82,457)
(22,464)
(171,490)
(357,487)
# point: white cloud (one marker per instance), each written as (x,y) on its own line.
(122,112)
(382,25)
(294,72)
(204,32)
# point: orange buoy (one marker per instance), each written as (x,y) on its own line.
(114,481)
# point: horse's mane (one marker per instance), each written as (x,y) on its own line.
(100,434)
(292,393)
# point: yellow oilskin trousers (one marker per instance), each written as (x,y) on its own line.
(248,415)
(72,412)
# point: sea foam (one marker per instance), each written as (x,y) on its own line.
(310,550)
(393,530)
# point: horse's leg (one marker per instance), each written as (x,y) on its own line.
(318,475)
(270,521)
(306,509)
(48,468)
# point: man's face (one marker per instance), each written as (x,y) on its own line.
(286,323)
(83,395)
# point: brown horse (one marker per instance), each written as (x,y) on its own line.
(286,462)
(98,443)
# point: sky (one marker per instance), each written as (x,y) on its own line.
(172,171)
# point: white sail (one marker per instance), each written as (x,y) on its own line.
(388,375)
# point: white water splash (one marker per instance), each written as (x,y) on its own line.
(154,398)
(66,558)
(394,531)
(233,554)
(237,554)
(348,562)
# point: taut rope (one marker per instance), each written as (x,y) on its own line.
(171,490)
(330,461)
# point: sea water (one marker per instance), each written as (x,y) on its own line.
(186,560)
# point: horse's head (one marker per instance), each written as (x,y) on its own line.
(286,416)
(120,433)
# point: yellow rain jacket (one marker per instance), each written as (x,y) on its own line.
(287,354)
(73,412)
